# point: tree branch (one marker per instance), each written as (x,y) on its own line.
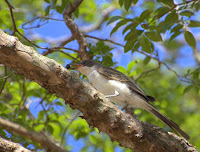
(9,146)
(34,136)
(70,8)
(97,110)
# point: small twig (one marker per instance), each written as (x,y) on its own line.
(6,76)
(97,25)
(39,17)
(12,16)
(146,72)
(63,136)
(41,101)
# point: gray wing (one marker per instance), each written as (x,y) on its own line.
(109,72)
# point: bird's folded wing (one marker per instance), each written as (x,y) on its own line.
(113,74)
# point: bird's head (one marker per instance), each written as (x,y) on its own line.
(85,67)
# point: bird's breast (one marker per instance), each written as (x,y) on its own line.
(108,87)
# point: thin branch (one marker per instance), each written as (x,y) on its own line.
(34,136)
(181,78)
(64,132)
(12,16)
(69,9)
(104,16)
(39,25)
(146,72)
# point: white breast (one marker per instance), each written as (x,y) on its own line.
(125,98)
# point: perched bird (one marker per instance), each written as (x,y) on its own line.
(121,89)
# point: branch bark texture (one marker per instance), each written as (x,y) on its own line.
(34,136)
(69,9)
(97,110)
(9,146)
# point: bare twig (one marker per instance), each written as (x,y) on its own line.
(105,14)
(39,25)
(63,136)
(146,72)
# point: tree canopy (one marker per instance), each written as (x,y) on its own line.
(45,107)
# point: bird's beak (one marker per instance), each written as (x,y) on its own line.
(74,66)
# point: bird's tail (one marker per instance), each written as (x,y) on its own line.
(168,122)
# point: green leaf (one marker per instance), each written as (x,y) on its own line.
(190,39)
(145,15)
(47,9)
(146,60)
(175,35)
(121,2)
(59,9)
(171,18)
(129,45)
(176,28)
(107,60)
(119,24)
(131,65)
(121,69)
(186,13)
(145,44)
(127,4)
(163,27)
(47,1)
(133,34)
(135,1)
(194,23)
(162,10)
(41,115)
(93,140)
(188,88)
(167,2)
(130,26)
(54,2)
(154,36)
(49,128)
(114,18)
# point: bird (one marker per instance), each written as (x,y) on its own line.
(121,90)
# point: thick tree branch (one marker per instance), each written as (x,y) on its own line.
(97,110)
(34,136)
(70,8)
(9,146)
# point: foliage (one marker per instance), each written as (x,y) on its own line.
(159,24)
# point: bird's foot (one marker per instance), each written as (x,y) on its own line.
(113,95)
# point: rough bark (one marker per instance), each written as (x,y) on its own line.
(9,146)
(32,135)
(97,110)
